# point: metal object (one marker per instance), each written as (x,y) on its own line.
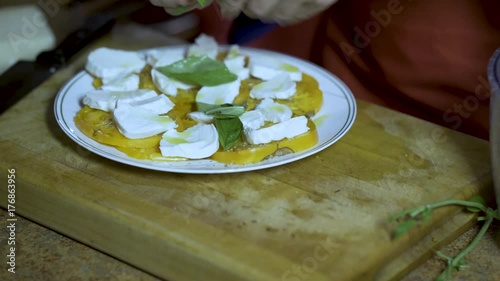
(494,79)
(24,76)
(100,16)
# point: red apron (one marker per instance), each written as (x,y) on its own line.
(424,58)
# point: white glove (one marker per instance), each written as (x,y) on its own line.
(280,11)
(176,7)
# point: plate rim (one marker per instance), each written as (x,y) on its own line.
(347,95)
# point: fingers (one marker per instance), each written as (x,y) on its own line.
(172,3)
(177,7)
(296,11)
(252,8)
(180,9)
(230,9)
(261,9)
(156,2)
(280,11)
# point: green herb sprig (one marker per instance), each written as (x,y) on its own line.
(416,216)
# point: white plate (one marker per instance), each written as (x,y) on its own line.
(333,120)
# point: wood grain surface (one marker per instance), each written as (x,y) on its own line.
(321,218)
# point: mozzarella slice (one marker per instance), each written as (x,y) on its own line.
(158,105)
(220,94)
(204,45)
(167,85)
(107,100)
(235,62)
(153,56)
(110,64)
(137,123)
(127,83)
(199,141)
(242,73)
(167,58)
(280,86)
(266,68)
(234,58)
(273,111)
(163,57)
(253,119)
(287,129)
(201,117)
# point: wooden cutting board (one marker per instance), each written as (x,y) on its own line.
(321,218)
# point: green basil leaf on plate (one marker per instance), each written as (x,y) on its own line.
(232,111)
(204,107)
(222,109)
(229,130)
(201,71)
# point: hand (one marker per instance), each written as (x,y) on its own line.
(279,11)
(177,7)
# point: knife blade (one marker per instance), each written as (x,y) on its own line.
(494,79)
(24,76)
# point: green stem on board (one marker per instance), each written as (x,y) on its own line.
(409,218)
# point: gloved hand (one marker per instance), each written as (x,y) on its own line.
(279,11)
(177,7)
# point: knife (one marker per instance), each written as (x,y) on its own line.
(24,76)
(494,79)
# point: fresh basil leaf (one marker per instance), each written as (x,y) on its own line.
(232,111)
(226,109)
(229,131)
(203,3)
(204,107)
(202,71)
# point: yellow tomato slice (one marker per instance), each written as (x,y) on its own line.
(100,126)
(245,154)
(257,153)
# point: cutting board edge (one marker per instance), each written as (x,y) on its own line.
(439,237)
(33,208)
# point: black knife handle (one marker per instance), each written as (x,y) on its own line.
(24,76)
(94,27)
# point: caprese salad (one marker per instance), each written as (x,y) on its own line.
(200,102)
